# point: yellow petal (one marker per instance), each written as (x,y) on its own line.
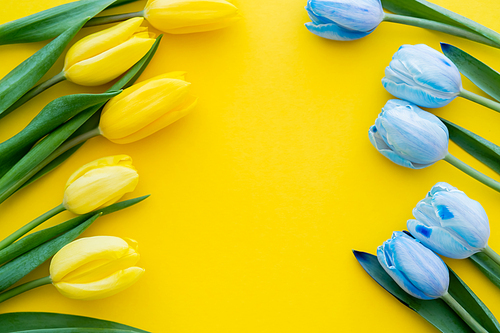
(108,286)
(99,187)
(143,106)
(167,15)
(86,250)
(101,41)
(110,64)
(122,160)
(160,123)
(205,27)
(172,75)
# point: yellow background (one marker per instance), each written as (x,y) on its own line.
(259,195)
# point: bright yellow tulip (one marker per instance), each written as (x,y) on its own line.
(187,16)
(99,184)
(95,267)
(105,55)
(146,107)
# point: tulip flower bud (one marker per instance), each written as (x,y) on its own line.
(105,55)
(146,107)
(450,223)
(422,75)
(408,135)
(344,19)
(99,184)
(415,268)
(95,267)
(188,16)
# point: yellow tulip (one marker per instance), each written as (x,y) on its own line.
(99,184)
(187,16)
(146,107)
(95,267)
(105,55)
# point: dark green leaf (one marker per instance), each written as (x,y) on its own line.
(483,76)
(436,312)
(482,149)
(489,267)
(30,321)
(33,240)
(18,268)
(51,22)
(26,75)
(426,10)
(50,117)
(77,330)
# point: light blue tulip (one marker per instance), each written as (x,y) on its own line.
(344,19)
(408,135)
(415,268)
(450,223)
(422,75)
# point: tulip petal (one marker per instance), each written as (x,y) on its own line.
(439,240)
(110,64)
(335,32)
(220,24)
(425,213)
(83,251)
(102,41)
(108,286)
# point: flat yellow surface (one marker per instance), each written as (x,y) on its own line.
(259,195)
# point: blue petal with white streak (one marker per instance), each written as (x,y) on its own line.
(409,136)
(344,20)
(450,223)
(422,75)
(416,269)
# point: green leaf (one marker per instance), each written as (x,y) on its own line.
(429,11)
(50,117)
(51,22)
(485,151)
(488,266)
(26,75)
(436,312)
(474,306)
(21,266)
(37,238)
(18,322)
(120,3)
(483,76)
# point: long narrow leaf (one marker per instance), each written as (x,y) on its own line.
(489,267)
(51,22)
(18,268)
(483,76)
(485,151)
(32,321)
(427,10)
(33,240)
(26,75)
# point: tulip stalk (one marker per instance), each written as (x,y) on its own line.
(492,254)
(472,172)
(113,18)
(24,287)
(438,26)
(480,100)
(30,226)
(476,327)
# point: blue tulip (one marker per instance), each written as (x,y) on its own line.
(344,19)
(450,223)
(422,75)
(408,135)
(415,268)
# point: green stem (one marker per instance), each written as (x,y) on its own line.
(437,26)
(64,147)
(28,227)
(492,254)
(112,18)
(35,91)
(480,100)
(472,172)
(476,327)
(24,287)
